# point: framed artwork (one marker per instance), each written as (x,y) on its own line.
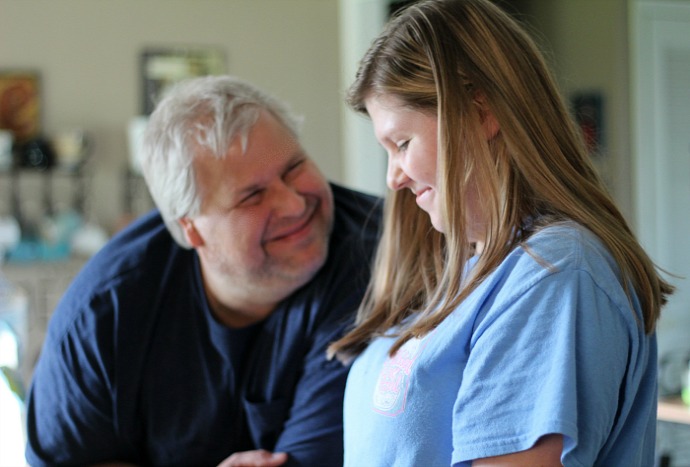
(162,67)
(589,114)
(20,103)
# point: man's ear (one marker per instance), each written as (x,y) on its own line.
(192,235)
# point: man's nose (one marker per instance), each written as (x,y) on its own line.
(288,202)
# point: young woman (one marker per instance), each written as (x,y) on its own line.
(510,320)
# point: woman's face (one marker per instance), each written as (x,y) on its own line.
(410,137)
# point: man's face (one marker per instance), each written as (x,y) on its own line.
(266,216)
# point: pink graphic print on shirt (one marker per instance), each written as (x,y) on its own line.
(390,392)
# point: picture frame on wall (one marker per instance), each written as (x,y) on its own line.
(20,103)
(164,66)
(589,114)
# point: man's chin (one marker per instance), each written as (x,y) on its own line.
(300,269)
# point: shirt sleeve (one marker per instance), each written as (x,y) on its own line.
(69,409)
(313,433)
(536,364)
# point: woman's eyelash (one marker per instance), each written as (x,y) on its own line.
(402,146)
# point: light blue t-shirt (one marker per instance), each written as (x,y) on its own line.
(535,349)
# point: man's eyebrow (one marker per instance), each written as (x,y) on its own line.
(296,157)
(244,191)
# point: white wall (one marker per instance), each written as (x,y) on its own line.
(661,71)
(364,160)
(587,44)
(87,53)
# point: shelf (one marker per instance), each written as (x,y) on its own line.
(31,193)
(43,283)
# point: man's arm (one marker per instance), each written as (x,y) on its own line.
(313,433)
(69,407)
(258,458)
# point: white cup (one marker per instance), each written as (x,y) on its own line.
(70,148)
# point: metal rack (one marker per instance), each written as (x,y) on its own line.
(136,198)
(32,192)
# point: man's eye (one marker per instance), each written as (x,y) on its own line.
(293,169)
(252,197)
(403,146)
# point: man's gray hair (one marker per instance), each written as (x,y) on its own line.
(199,113)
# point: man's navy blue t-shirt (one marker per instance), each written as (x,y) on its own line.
(135,368)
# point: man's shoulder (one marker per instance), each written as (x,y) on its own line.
(139,244)
(356,211)
(356,231)
(350,198)
(135,257)
(129,272)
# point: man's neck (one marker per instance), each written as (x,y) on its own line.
(238,308)
(238,316)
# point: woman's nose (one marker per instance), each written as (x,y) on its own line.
(395,177)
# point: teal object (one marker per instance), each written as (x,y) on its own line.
(9,359)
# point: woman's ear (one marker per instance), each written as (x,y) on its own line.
(490,124)
(192,235)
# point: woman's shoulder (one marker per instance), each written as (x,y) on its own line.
(563,247)
(568,253)
(555,259)
(566,244)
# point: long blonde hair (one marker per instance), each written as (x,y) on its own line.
(456,58)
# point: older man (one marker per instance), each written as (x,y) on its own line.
(198,334)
